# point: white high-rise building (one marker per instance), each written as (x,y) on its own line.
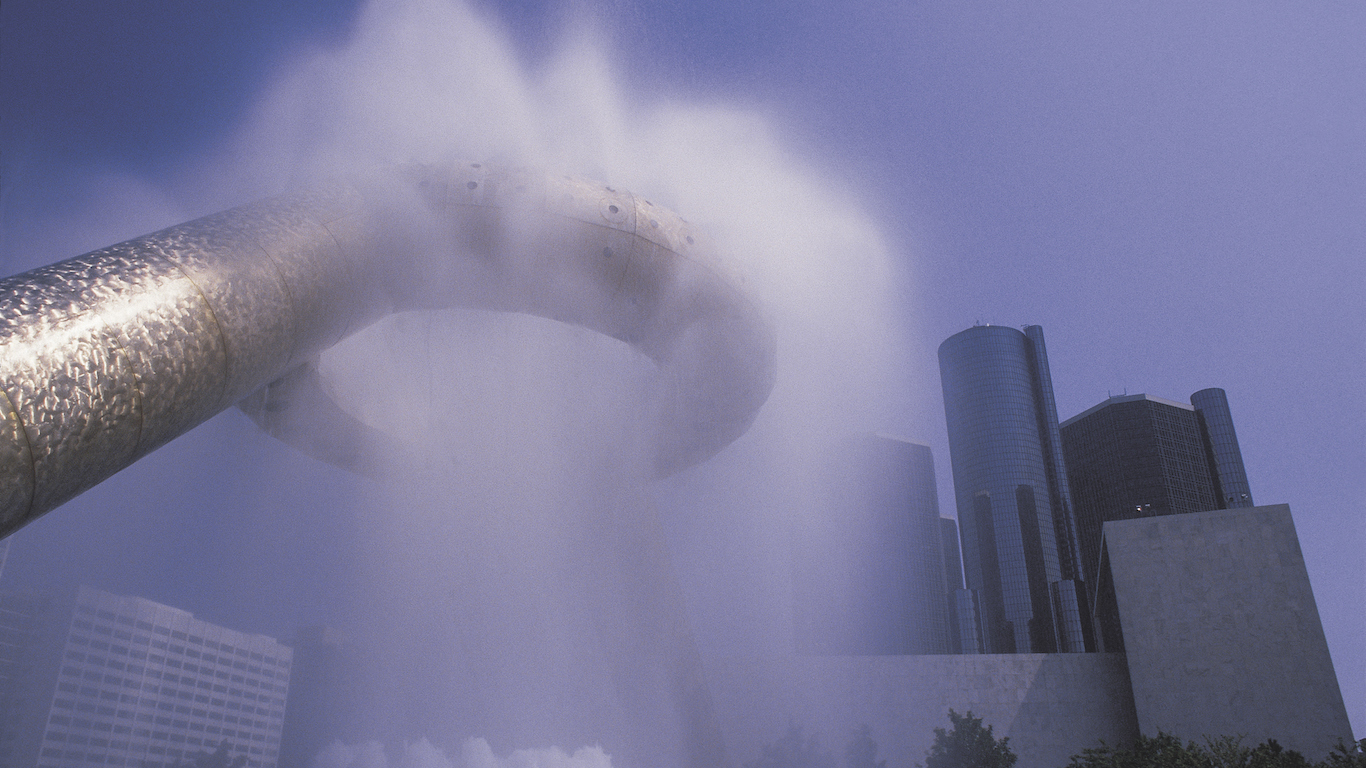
(102,679)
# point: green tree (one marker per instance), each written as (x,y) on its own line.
(1162,750)
(1269,754)
(968,744)
(794,750)
(1347,755)
(1167,751)
(861,751)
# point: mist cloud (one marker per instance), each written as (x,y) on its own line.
(516,584)
(474,753)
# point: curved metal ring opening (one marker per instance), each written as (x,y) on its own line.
(106,356)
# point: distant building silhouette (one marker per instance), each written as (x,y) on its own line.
(870,573)
(97,678)
(1136,456)
(333,696)
(965,629)
(1011,490)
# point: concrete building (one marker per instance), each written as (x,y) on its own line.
(1136,456)
(1051,706)
(322,686)
(106,679)
(1011,489)
(1221,631)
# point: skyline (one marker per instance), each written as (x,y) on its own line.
(1174,194)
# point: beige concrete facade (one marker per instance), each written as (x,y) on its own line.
(1221,631)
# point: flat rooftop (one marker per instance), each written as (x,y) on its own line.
(1114,399)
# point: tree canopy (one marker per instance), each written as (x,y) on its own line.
(969,744)
(1167,751)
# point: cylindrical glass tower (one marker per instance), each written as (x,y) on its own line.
(1216,421)
(998,443)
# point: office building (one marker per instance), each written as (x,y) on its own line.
(1011,489)
(1136,456)
(103,679)
(870,576)
(17,612)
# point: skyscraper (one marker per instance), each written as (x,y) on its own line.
(1011,490)
(1138,456)
(125,681)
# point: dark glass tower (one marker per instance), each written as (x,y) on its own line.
(1141,456)
(1012,491)
(1221,443)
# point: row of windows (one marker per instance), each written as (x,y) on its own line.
(222,659)
(150,703)
(168,632)
(135,683)
(68,755)
(121,741)
(141,763)
(202,678)
(79,723)
(147,717)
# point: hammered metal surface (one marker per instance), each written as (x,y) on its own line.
(16,468)
(166,330)
(106,356)
(306,260)
(86,343)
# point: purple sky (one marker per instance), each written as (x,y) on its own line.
(1175,191)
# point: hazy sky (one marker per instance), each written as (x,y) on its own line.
(1175,191)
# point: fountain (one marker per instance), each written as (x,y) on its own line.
(106,356)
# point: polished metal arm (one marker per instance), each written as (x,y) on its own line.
(106,356)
